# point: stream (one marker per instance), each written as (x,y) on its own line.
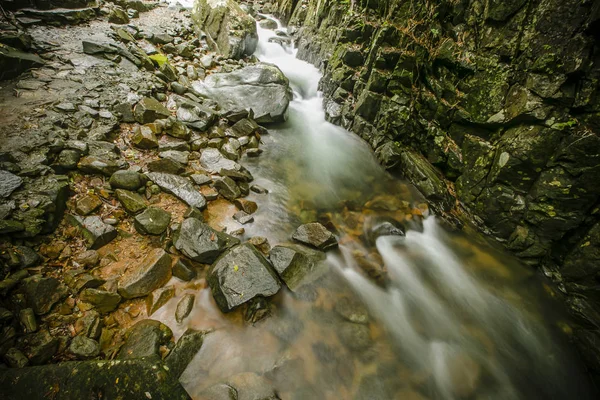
(428,315)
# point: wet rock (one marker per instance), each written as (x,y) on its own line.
(177,145)
(148,110)
(151,273)
(184,307)
(167,166)
(382,226)
(102,166)
(227,188)
(9,183)
(180,187)
(258,189)
(181,157)
(82,281)
(66,161)
(232,32)
(184,270)
(201,179)
(220,391)
(15,358)
(261,87)
(84,347)
(316,235)
(42,293)
(248,206)
(295,263)
(183,353)
(200,242)
(159,298)
(351,310)
(89,325)
(268,24)
(153,221)
(144,138)
(144,340)
(355,337)
(88,204)
(102,300)
(41,347)
(13,62)
(94,230)
(252,386)
(132,202)
(88,258)
(214,161)
(241,274)
(243,218)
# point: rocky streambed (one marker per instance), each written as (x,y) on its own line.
(178,219)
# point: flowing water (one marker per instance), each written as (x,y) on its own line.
(432,315)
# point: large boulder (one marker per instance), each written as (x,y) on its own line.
(229,30)
(261,87)
(241,275)
(200,242)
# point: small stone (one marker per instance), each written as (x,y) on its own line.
(42,293)
(148,110)
(84,347)
(180,187)
(258,189)
(88,204)
(185,350)
(132,202)
(261,243)
(201,179)
(181,157)
(15,358)
(96,232)
(144,340)
(41,347)
(102,300)
(159,298)
(227,188)
(167,166)
(316,235)
(153,221)
(184,307)
(248,206)
(66,106)
(90,325)
(243,218)
(184,270)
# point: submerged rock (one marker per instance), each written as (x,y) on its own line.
(316,235)
(200,242)
(263,88)
(240,275)
(187,347)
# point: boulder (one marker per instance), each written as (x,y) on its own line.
(200,242)
(228,28)
(261,87)
(144,340)
(153,221)
(180,187)
(316,235)
(151,273)
(295,263)
(240,275)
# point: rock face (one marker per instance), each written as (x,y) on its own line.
(230,30)
(506,121)
(200,242)
(240,275)
(180,187)
(263,88)
(150,274)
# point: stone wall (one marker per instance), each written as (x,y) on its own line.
(489,107)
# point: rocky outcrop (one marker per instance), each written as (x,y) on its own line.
(494,104)
(231,31)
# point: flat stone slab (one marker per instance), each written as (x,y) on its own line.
(9,183)
(180,187)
